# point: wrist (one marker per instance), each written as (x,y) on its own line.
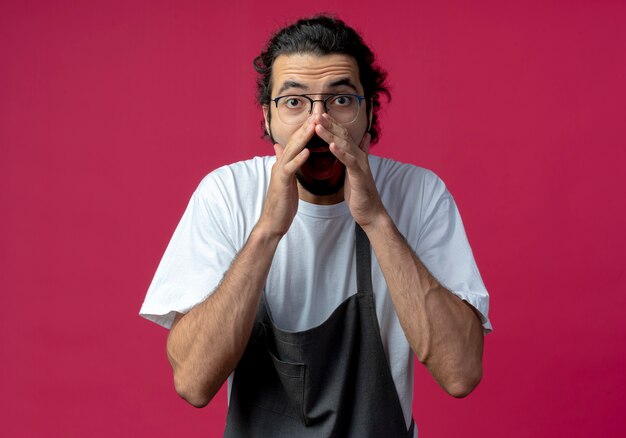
(265,235)
(380,223)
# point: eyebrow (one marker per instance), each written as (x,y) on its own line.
(291,84)
(346,82)
(339,82)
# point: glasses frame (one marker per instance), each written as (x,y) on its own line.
(312,101)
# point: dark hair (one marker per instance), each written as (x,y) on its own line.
(324,35)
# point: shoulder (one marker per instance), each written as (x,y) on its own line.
(237,177)
(232,196)
(410,193)
(400,180)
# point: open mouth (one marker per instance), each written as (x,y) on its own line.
(321,163)
(317,145)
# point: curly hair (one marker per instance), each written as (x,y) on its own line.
(324,35)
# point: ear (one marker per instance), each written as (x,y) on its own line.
(266,110)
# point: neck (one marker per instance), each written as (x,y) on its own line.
(332,199)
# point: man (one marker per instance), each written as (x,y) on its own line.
(316,274)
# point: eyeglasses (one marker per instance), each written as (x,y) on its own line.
(293,109)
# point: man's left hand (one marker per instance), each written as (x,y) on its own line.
(360,192)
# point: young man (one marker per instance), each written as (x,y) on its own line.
(315,274)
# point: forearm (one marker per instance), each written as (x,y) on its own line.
(205,345)
(443,331)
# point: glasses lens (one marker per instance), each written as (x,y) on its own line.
(343,107)
(293,110)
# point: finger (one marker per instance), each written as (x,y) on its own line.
(327,121)
(298,140)
(365,142)
(339,136)
(292,166)
(332,126)
(343,154)
(285,172)
(351,157)
(288,169)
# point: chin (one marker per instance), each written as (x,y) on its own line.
(323,187)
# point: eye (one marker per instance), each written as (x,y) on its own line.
(342,100)
(293,102)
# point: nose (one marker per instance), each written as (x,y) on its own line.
(318,107)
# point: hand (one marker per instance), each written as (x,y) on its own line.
(281,203)
(360,192)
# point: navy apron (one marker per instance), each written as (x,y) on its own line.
(329,381)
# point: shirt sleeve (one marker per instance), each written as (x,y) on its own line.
(444,249)
(195,260)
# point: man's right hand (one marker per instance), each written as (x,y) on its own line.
(281,203)
(221,324)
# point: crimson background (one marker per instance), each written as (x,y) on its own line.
(112,111)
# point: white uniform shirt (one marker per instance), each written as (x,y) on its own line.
(314,268)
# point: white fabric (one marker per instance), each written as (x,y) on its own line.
(313,270)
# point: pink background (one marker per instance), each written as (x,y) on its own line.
(111,112)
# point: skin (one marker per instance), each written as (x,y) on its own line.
(307,74)
(205,345)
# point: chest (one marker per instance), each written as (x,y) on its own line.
(313,271)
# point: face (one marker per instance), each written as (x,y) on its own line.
(322,175)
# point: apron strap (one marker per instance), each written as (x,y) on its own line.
(363,261)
